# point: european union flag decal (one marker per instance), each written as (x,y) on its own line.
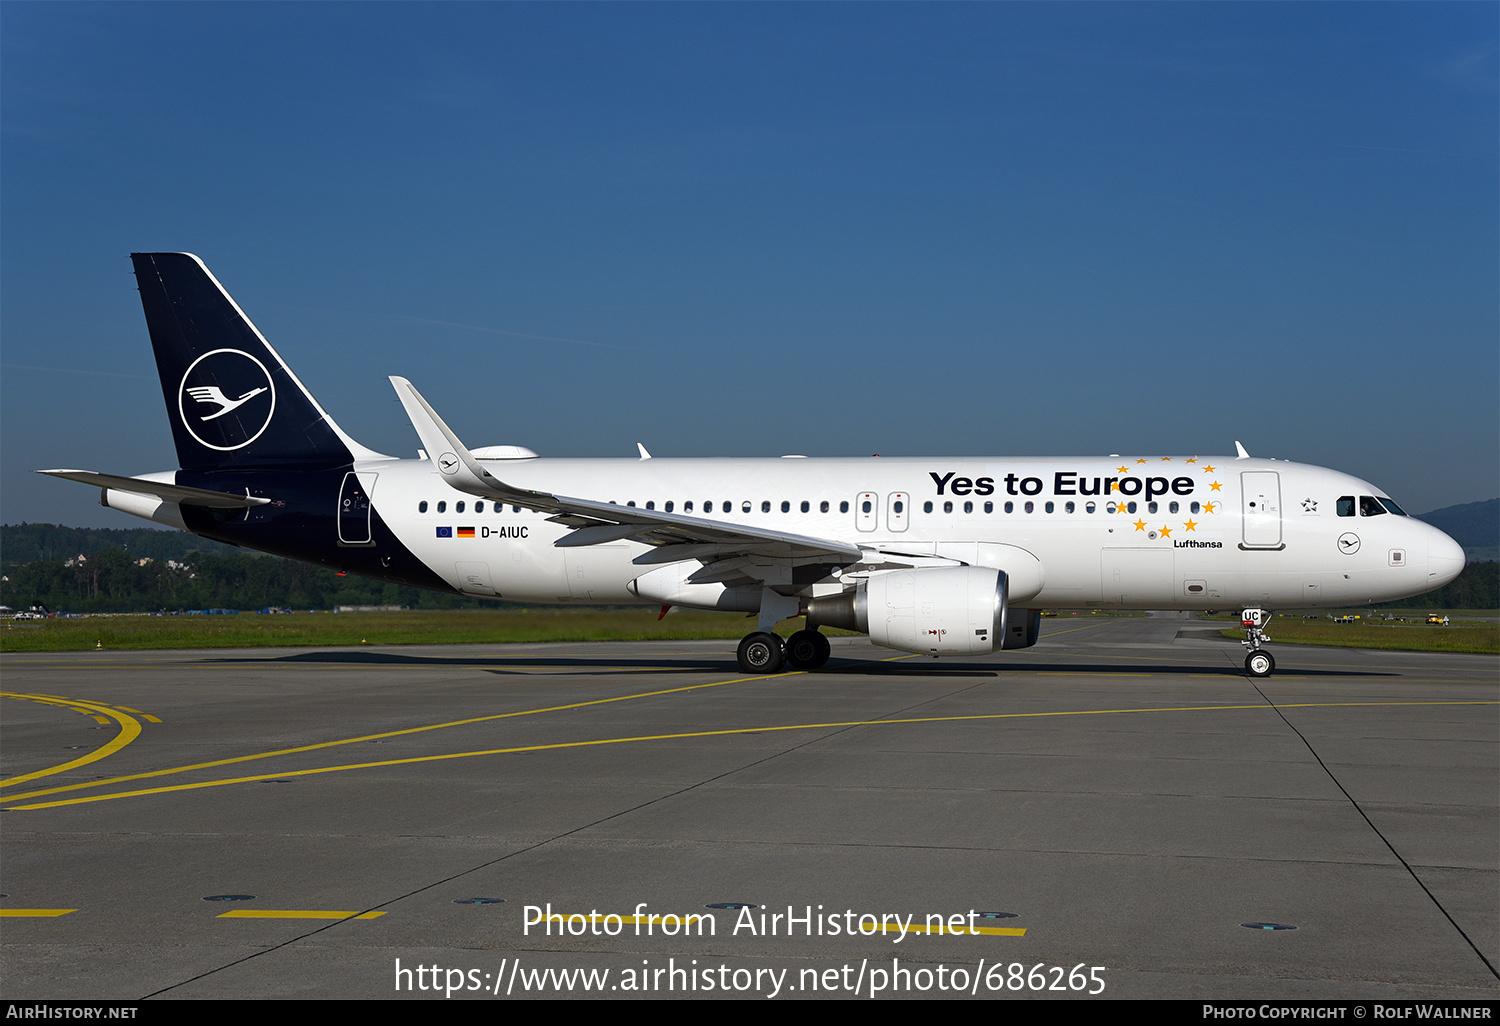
(445,532)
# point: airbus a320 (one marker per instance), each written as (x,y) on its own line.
(938,556)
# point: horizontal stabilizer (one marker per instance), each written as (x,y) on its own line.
(179,494)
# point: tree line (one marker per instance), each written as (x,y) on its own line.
(99,571)
(114,580)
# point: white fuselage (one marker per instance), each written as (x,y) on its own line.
(1214,531)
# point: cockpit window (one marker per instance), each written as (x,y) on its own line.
(1369,507)
(1346,505)
(1388,504)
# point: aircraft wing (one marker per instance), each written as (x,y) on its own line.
(179,494)
(679,537)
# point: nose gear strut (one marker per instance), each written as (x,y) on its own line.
(1259,662)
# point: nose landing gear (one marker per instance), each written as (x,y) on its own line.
(1259,662)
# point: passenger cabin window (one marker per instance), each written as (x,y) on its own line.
(1010,507)
(1069,507)
(844,506)
(1368,507)
(744,507)
(765,507)
(458,507)
(442,507)
(1130,506)
(422,506)
(899,507)
(968,507)
(1049,507)
(1088,508)
(1031,507)
(864,507)
(728,506)
(687,507)
(989,507)
(948,507)
(786,507)
(806,505)
(478,507)
(1346,505)
(823,506)
(668,507)
(1172,507)
(927,506)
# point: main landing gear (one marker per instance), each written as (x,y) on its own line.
(764,652)
(807,650)
(1259,662)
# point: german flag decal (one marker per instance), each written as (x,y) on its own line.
(466,532)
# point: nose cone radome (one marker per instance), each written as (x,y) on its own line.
(1445,559)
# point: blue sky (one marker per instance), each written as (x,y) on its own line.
(724,229)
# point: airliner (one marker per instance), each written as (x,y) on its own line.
(939,556)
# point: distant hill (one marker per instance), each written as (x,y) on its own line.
(32,543)
(1474,525)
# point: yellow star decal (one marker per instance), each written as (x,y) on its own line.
(1193,460)
(1115,487)
(1123,470)
(1166,459)
(1213,486)
(1208,507)
(1207,469)
(1166,532)
(1140,461)
(1140,525)
(1191,525)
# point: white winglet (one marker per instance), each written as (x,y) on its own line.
(644,454)
(1243,455)
(457,464)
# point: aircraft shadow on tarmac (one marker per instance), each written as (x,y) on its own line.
(905,668)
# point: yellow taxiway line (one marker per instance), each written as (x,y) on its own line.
(271,913)
(979,717)
(327,744)
(130,729)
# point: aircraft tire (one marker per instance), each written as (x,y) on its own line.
(1260,664)
(762,652)
(807,650)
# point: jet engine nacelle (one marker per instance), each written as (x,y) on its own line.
(950,610)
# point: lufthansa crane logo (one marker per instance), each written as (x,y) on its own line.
(226,399)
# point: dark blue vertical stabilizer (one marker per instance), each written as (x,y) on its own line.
(233,402)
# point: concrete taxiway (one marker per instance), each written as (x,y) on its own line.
(1121,796)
